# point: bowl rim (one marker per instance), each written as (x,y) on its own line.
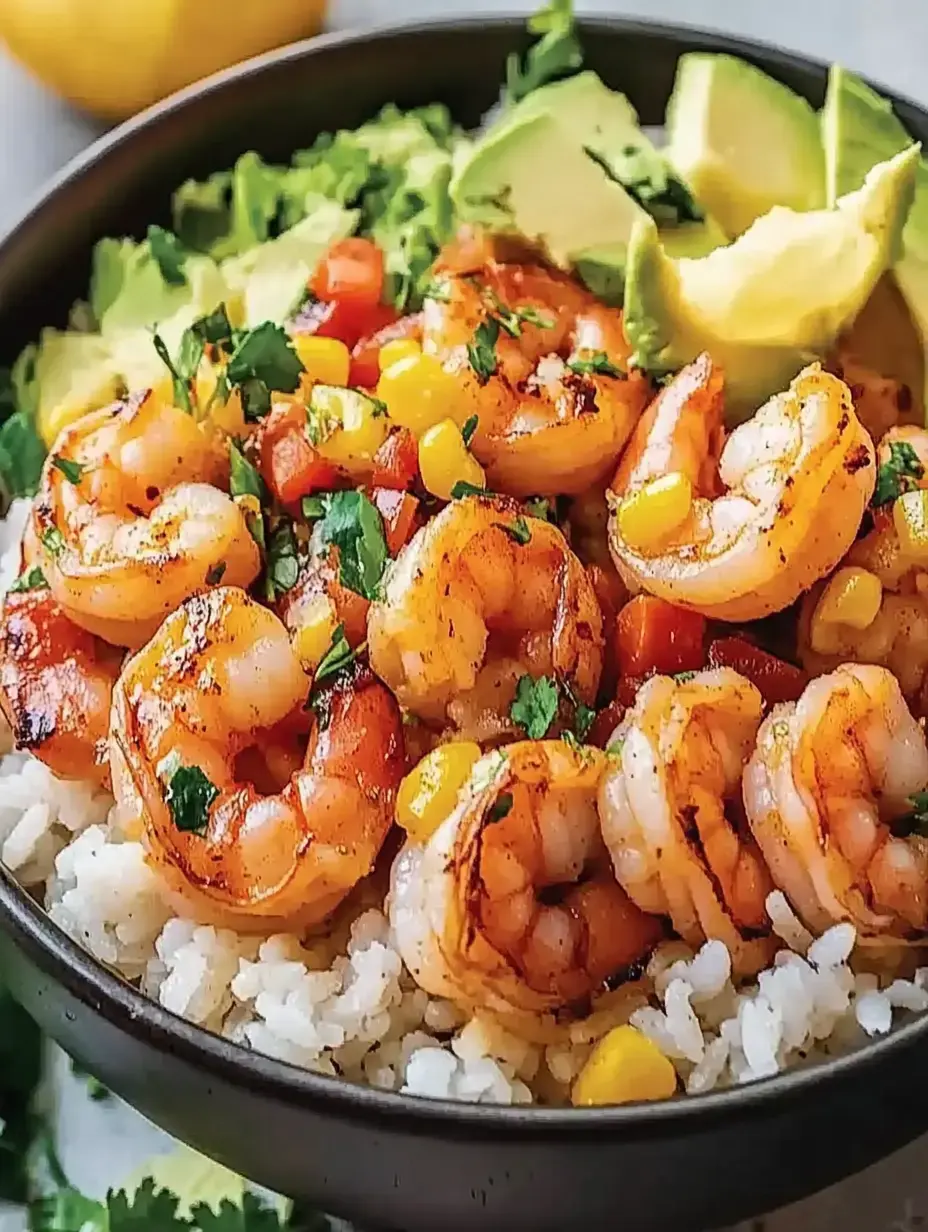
(108,995)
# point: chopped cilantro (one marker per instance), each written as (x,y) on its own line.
(916,821)
(556,54)
(72,471)
(512,319)
(215,573)
(184,368)
(32,579)
(535,705)
(684,677)
(313,507)
(336,658)
(518,531)
(215,328)
(53,541)
(263,361)
(481,351)
(901,472)
(355,527)
(470,427)
(245,482)
(614,747)
(283,566)
(188,796)
(380,407)
(321,420)
(598,363)
(462,489)
(22,453)
(436,289)
(169,255)
(540,507)
(583,714)
(532,316)
(501,807)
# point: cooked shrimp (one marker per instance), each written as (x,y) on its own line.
(319,584)
(672,815)
(132,521)
(880,402)
(546,422)
(897,637)
(511,905)
(56,684)
(218,680)
(772,511)
(828,797)
(479,596)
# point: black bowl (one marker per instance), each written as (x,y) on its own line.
(390,1161)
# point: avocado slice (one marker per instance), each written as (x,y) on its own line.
(743,141)
(859,128)
(777,297)
(569,168)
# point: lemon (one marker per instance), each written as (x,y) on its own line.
(114,57)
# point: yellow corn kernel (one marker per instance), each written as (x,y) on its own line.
(429,792)
(624,1067)
(649,515)
(419,393)
(851,599)
(348,427)
(399,348)
(910,517)
(312,639)
(445,460)
(325,359)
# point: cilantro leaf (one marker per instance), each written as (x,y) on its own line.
(263,361)
(469,428)
(32,579)
(614,747)
(252,1216)
(556,54)
(481,350)
(283,566)
(189,796)
(337,657)
(542,508)
(583,714)
(518,531)
(245,481)
(53,541)
(313,507)
(436,289)
(501,807)
(215,328)
(463,489)
(598,363)
(184,368)
(71,470)
(22,453)
(355,527)
(512,319)
(169,254)
(215,573)
(915,822)
(901,472)
(535,705)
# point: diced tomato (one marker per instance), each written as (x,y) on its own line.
(652,635)
(290,465)
(605,724)
(611,594)
(352,270)
(342,319)
(777,681)
(396,462)
(365,358)
(398,510)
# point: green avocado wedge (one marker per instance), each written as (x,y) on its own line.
(776,298)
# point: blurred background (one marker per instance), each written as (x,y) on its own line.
(118,54)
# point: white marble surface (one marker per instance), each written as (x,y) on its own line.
(886,39)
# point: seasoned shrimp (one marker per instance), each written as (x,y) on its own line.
(511,905)
(897,637)
(479,596)
(131,519)
(772,511)
(218,681)
(56,685)
(556,411)
(672,815)
(828,797)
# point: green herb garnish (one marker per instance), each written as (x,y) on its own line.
(263,361)
(215,573)
(684,677)
(462,489)
(540,507)
(32,579)
(481,351)
(501,807)
(169,255)
(598,363)
(53,541)
(72,471)
(901,472)
(556,54)
(189,795)
(436,289)
(518,531)
(22,453)
(355,527)
(313,507)
(283,566)
(338,656)
(244,480)
(470,427)
(614,747)
(215,328)
(535,705)
(183,369)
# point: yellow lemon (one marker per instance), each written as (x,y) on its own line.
(115,57)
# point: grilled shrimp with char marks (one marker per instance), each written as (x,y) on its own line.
(217,691)
(771,512)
